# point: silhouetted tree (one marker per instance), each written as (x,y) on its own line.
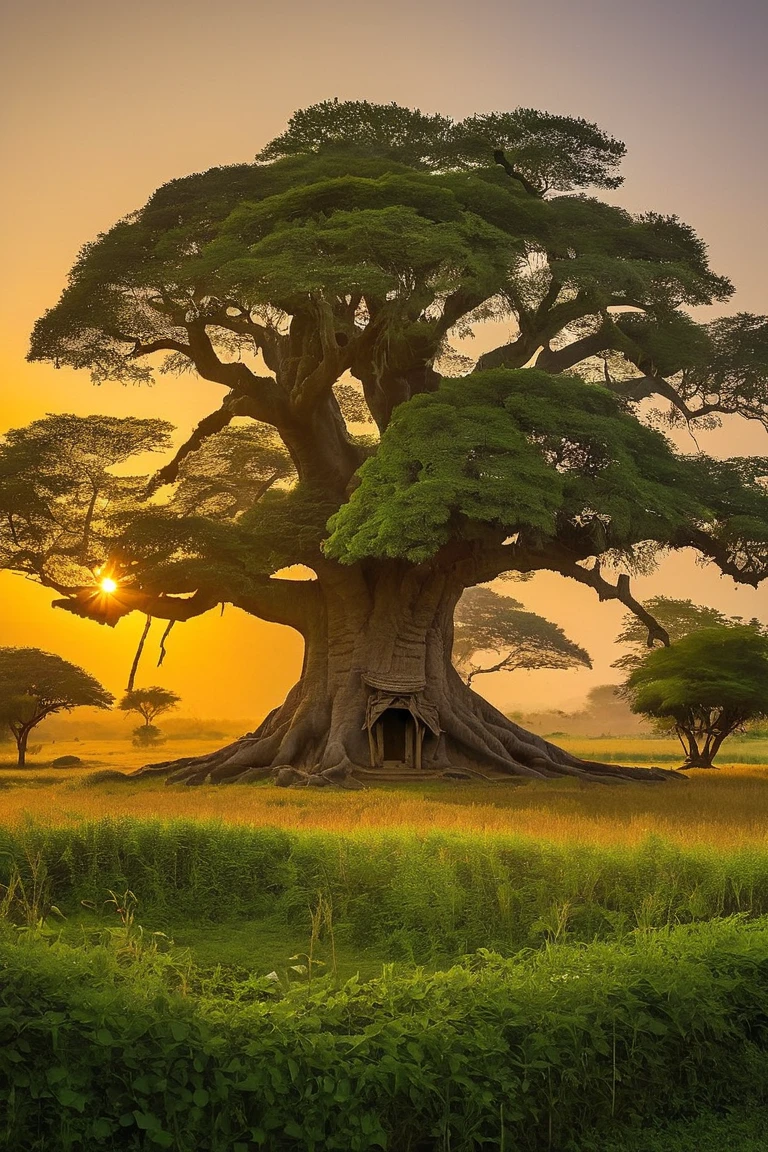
(484,621)
(149,703)
(36,684)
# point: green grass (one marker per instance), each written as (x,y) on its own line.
(737,1130)
(401,895)
(393,908)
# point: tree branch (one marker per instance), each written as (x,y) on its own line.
(208,426)
(531,189)
(108,608)
(269,403)
(164,345)
(620,591)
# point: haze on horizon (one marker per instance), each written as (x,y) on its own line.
(105,102)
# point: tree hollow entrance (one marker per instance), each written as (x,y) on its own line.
(396,737)
(398,723)
(380,700)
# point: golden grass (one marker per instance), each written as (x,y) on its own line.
(727,808)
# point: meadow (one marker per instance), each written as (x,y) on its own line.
(723,809)
(545,965)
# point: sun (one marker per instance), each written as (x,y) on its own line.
(108,585)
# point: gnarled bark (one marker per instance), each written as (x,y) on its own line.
(380,643)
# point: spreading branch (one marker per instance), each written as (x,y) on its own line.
(208,426)
(620,591)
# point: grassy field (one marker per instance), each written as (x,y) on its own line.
(725,808)
(294,921)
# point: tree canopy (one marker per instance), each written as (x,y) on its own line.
(149,703)
(708,684)
(677,618)
(36,684)
(484,621)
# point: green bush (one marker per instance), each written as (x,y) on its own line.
(525,1053)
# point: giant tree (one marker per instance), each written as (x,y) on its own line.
(35,684)
(330,289)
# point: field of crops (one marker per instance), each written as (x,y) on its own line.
(536,966)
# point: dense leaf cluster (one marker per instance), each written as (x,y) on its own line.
(549,459)
(492,1051)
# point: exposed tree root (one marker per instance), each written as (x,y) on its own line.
(306,744)
(381,647)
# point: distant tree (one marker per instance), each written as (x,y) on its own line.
(705,687)
(484,621)
(677,618)
(149,703)
(36,684)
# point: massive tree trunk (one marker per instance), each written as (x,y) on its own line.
(379,699)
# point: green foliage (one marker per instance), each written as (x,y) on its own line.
(554,152)
(379,253)
(425,898)
(708,684)
(487,622)
(562,152)
(405,134)
(573,1042)
(525,452)
(722,365)
(677,617)
(711,668)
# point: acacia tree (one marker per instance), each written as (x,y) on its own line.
(346,262)
(149,703)
(36,684)
(706,686)
(484,621)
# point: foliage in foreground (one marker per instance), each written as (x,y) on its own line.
(425,898)
(527,1053)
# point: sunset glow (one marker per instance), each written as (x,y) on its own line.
(108,585)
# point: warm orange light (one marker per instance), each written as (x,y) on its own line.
(108,585)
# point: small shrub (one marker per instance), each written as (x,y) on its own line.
(147,736)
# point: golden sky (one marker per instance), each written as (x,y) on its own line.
(102,102)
